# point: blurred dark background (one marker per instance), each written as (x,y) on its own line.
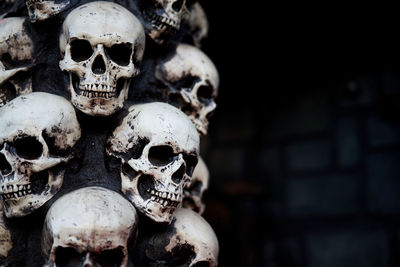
(304,147)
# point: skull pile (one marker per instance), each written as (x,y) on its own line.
(66,70)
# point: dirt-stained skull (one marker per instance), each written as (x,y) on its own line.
(16,58)
(191,80)
(192,196)
(37,134)
(39,10)
(189,241)
(162,18)
(91,226)
(102,45)
(158,147)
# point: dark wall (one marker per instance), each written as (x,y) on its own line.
(304,147)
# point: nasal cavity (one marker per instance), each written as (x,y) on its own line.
(99,67)
(178,175)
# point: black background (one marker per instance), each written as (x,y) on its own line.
(268,56)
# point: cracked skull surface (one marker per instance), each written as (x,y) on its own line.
(39,10)
(192,196)
(102,45)
(162,18)
(37,134)
(16,58)
(91,226)
(189,241)
(158,147)
(191,80)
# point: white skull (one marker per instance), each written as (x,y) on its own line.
(5,237)
(91,226)
(162,18)
(16,49)
(37,133)
(189,241)
(192,82)
(158,147)
(192,196)
(102,45)
(39,10)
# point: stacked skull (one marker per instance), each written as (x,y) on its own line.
(103,105)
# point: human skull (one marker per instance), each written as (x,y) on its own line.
(5,236)
(189,241)
(39,10)
(37,134)
(162,18)
(102,45)
(91,226)
(192,82)
(16,58)
(192,196)
(158,147)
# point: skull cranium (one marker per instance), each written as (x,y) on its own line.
(16,58)
(193,195)
(189,241)
(102,45)
(191,80)
(158,147)
(37,134)
(91,226)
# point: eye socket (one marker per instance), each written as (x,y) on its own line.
(81,50)
(7,61)
(68,257)
(191,162)
(28,147)
(187,81)
(110,258)
(120,53)
(161,155)
(5,167)
(205,94)
(177,5)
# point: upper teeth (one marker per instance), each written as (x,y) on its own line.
(165,198)
(15,191)
(97,90)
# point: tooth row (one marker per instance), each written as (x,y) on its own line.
(97,87)
(13,188)
(165,198)
(155,19)
(97,94)
(16,194)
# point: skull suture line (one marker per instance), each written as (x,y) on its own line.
(39,10)
(16,49)
(162,18)
(193,195)
(37,133)
(91,226)
(192,81)
(158,147)
(189,241)
(102,45)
